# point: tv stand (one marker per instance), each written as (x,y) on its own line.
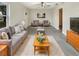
(73,39)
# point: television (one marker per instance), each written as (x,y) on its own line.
(74,24)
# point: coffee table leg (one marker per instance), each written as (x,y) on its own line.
(34,50)
(48,51)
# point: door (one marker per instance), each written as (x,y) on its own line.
(60,18)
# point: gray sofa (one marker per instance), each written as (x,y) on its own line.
(15,40)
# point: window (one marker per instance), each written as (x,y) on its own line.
(2,16)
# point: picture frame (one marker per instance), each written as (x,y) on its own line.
(41,15)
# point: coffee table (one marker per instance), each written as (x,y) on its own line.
(41,47)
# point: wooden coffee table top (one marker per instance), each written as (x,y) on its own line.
(44,43)
(2,47)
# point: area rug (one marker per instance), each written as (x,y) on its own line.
(26,48)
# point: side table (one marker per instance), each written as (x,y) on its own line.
(3,50)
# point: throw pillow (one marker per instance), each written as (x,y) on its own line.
(4,35)
(8,30)
(21,27)
(17,29)
(12,30)
(9,35)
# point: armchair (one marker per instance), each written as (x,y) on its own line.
(46,23)
(35,23)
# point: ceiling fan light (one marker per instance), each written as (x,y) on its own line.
(43,4)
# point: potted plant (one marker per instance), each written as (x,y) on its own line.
(41,37)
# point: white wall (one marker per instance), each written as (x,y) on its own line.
(35,11)
(69,10)
(55,18)
(17,13)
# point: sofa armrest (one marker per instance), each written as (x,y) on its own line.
(8,42)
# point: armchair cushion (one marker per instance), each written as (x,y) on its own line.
(46,23)
(35,23)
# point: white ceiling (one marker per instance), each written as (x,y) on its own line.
(37,5)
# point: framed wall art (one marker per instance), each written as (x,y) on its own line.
(41,15)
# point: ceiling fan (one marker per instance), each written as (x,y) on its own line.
(45,4)
(40,4)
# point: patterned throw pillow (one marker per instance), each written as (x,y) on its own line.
(17,29)
(21,27)
(13,30)
(4,36)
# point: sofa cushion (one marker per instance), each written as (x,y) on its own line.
(20,34)
(17,37)
(15,40)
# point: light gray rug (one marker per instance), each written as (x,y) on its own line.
(27,48)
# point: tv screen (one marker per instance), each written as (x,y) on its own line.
(74,24)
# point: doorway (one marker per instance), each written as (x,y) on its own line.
(60,18)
